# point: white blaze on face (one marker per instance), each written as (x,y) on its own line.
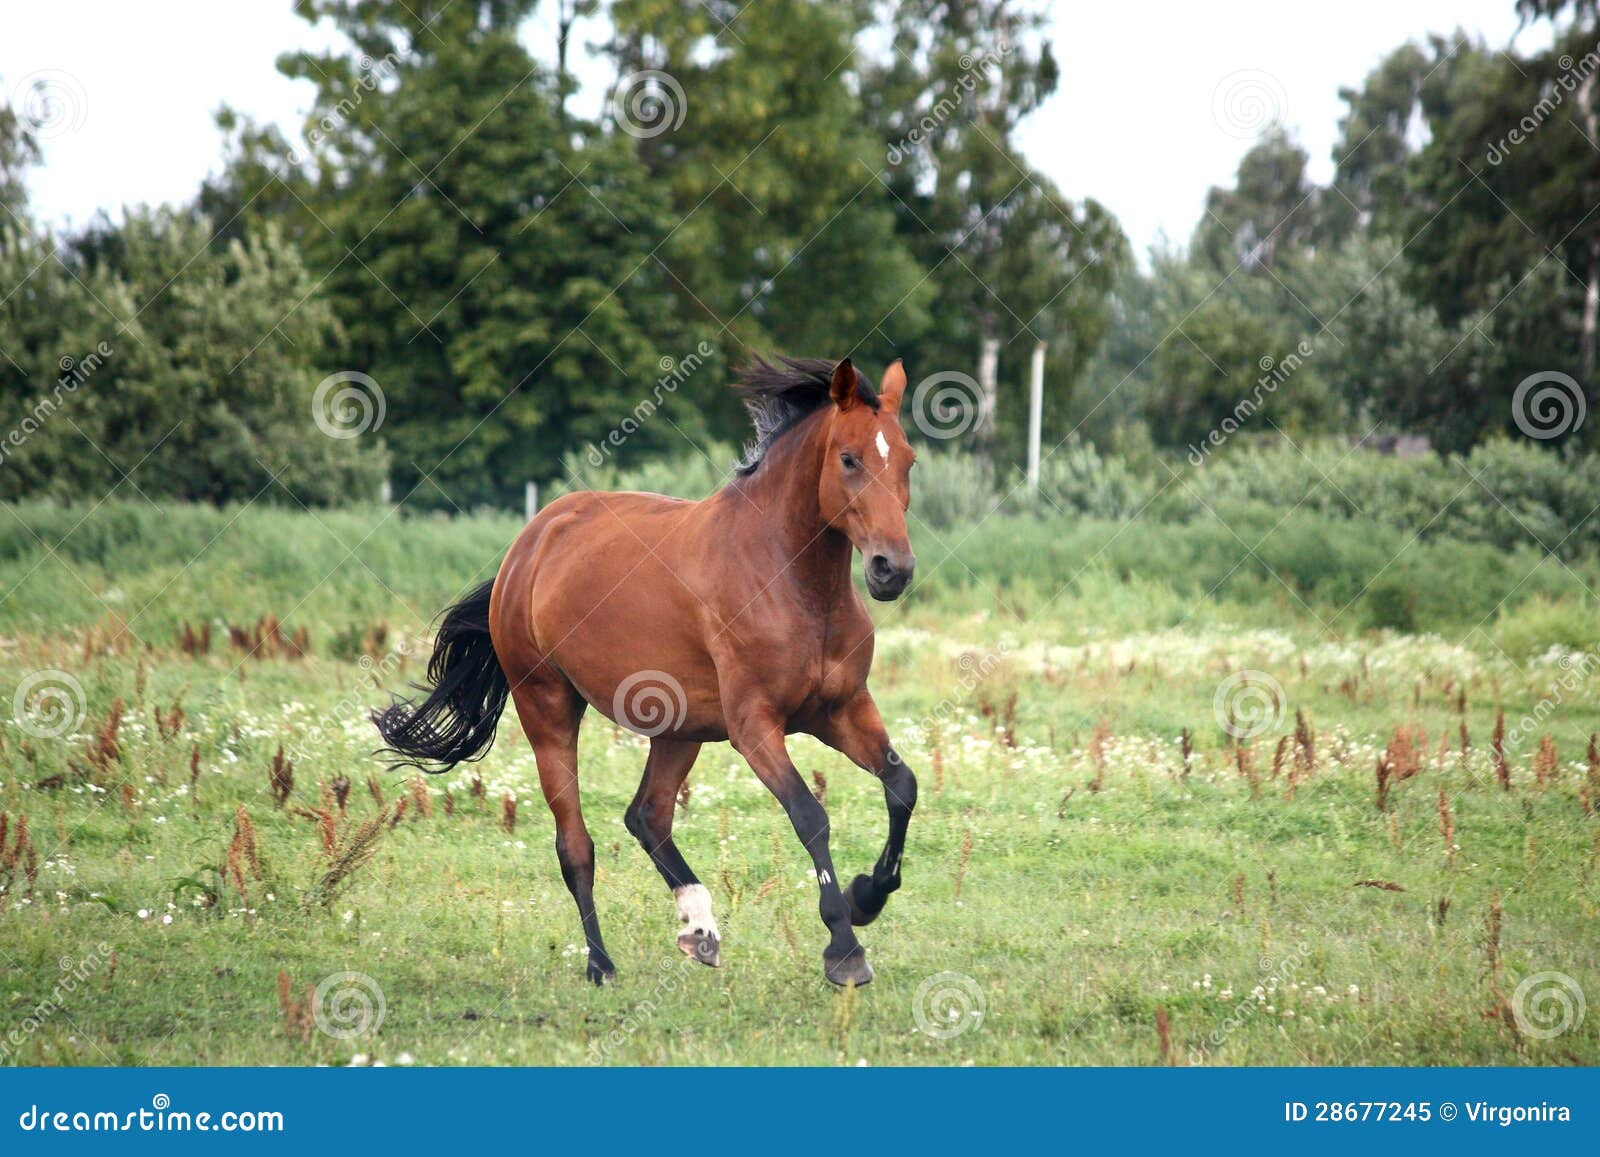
(883,446)
(694,909)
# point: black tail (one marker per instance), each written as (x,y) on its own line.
(457,719)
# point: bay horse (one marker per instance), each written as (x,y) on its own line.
(732,618)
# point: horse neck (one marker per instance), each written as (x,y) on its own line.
(779,501)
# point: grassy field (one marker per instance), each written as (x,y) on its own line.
(1079,890)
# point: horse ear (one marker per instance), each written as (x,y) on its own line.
(892,386)
(844,385)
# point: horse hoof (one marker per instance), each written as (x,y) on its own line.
(599,971)
(865,902)
(702,946)
(852,969)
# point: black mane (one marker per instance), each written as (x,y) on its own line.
(780,396)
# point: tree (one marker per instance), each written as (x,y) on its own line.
(1272,209)
(491,256)
(1226,369)
(150,358)
(1378,136)
(1014,262)
(749,122)
(19,151)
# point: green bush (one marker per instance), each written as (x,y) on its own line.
(1533,627)
(692,474)
(168,361)
(1505,494)
(949,489)
(1075,479)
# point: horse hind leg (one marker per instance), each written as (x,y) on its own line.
(550,709)
(649,818)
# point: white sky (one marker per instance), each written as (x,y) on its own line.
(1134,123)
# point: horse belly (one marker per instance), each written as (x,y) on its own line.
(629,637)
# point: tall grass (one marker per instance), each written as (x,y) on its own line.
(1251,539)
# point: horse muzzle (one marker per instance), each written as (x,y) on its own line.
(888,574)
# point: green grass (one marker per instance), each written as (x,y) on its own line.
(1073,915)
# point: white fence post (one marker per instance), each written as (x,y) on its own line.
(530,501)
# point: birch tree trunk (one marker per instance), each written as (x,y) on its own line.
(988,391)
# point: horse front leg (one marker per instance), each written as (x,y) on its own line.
(757,733)
(856,730)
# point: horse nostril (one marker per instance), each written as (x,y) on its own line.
(879,567)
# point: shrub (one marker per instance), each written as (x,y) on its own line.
(1531,628)
(1075,479)
(691,474)
(950,489)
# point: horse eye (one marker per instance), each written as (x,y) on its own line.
(850,461)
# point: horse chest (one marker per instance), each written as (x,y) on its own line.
(844,658)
